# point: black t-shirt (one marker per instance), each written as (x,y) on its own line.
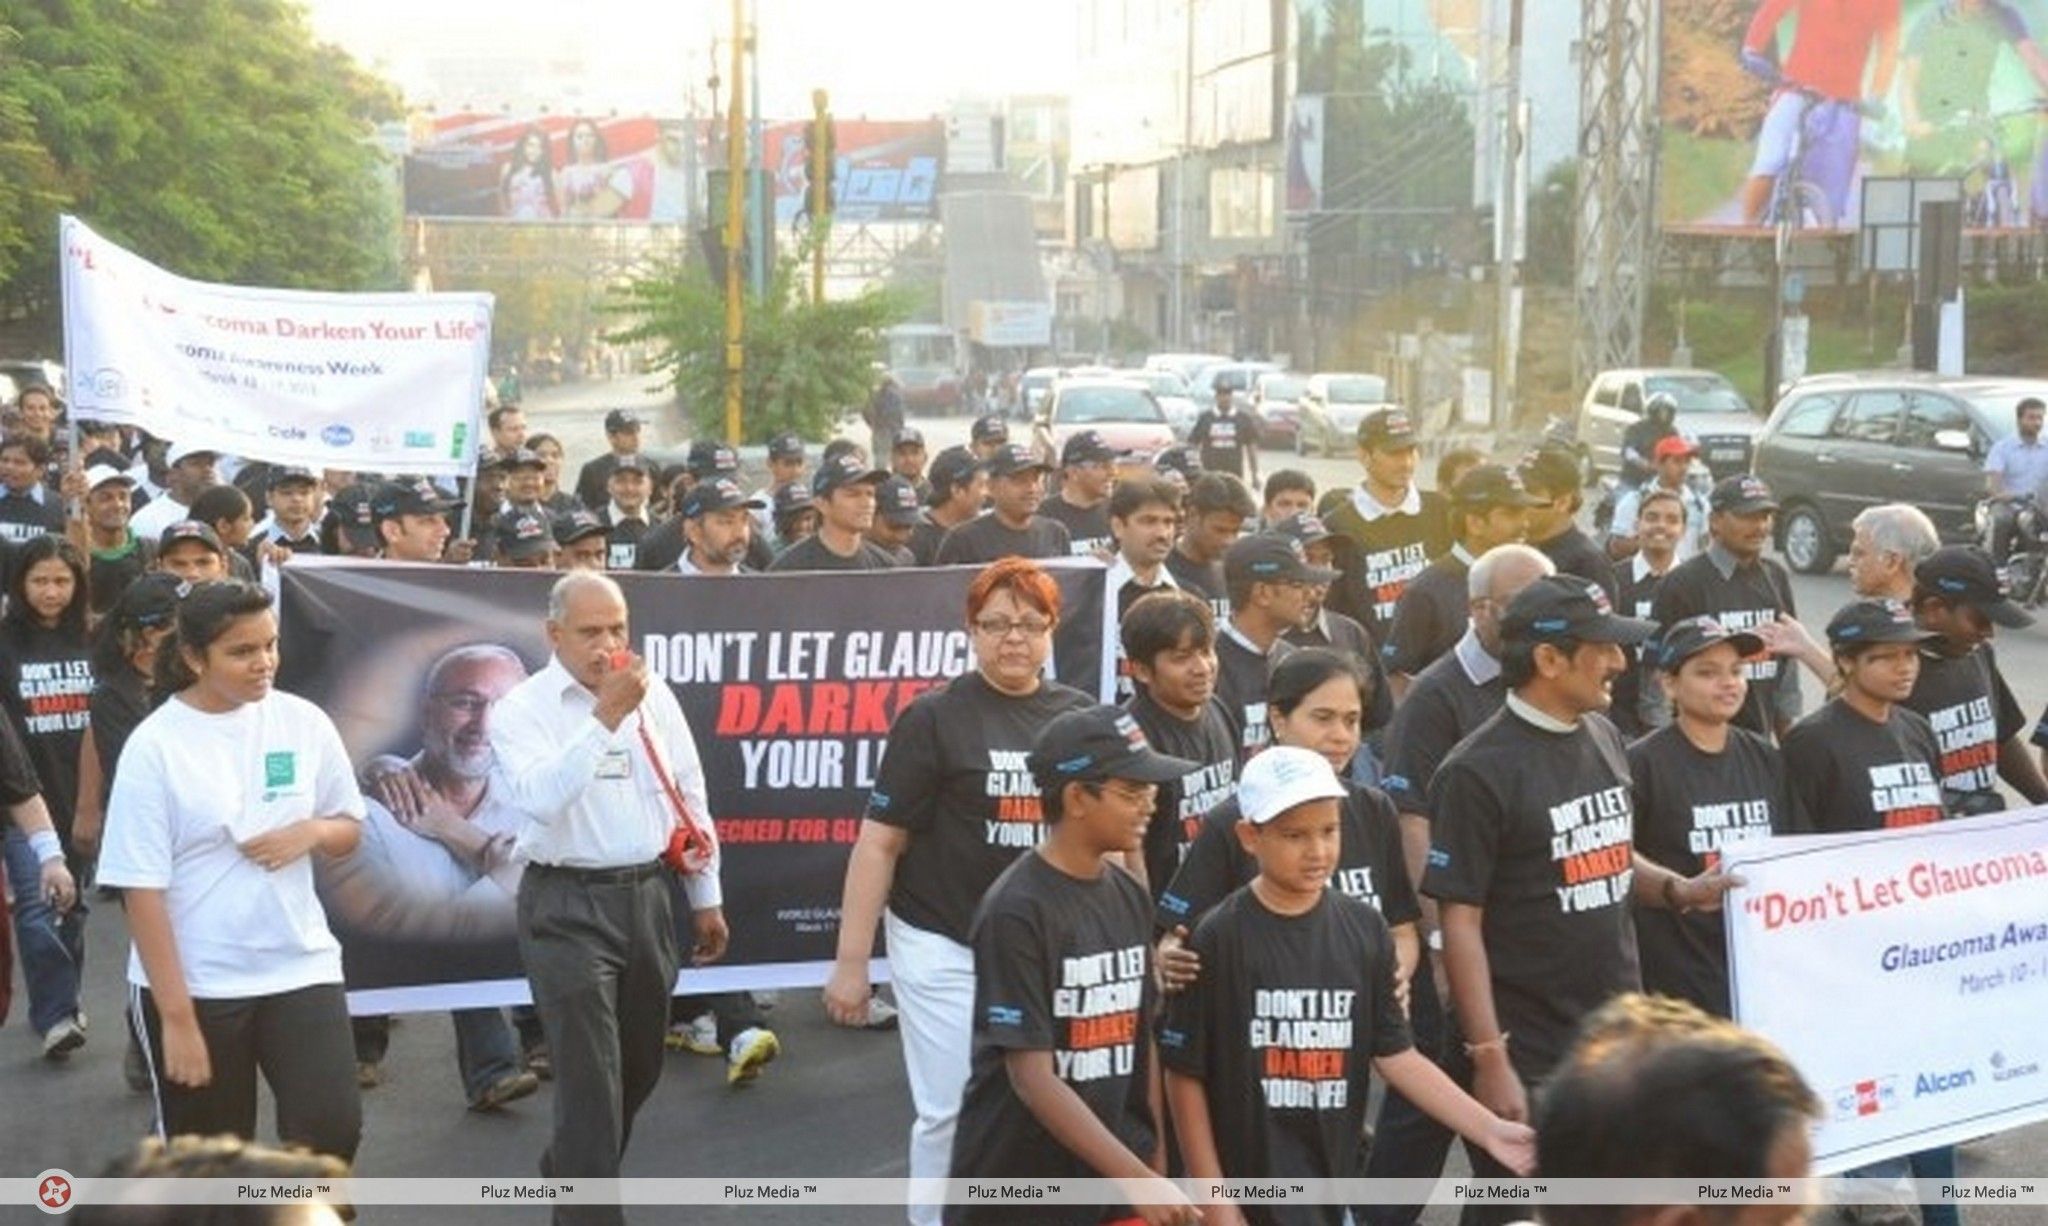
(986,539)
(1442,707)
(1380,557)
(1177,815)
(660,546)
(1241,674)
(1224,438)
(1638,599)
(18,781)
(622,542)
(1430,617)
(1536,827)
(1751,596)
(1972,714)
(46,687)
(925,539)
(1852,773)
(954,777)
(810,553)
(1204,579)
(1087,527)
(1340,633)
(1575,554)
(22,518)
(593,481)
(119,702)
(1369,863)
(1282,1029)
(1689,805)
(108,574)
(1061,965)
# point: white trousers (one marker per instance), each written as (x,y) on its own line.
(934,978)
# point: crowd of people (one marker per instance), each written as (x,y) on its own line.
(1427,783)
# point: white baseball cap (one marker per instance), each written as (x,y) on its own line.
(100,474)
(1281,778)
(179,451)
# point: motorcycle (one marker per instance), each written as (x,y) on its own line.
(2025,565)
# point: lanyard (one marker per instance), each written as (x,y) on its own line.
(689,845)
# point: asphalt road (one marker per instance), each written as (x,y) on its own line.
(835,1104)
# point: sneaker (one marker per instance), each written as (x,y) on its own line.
(698,1035)
(752,1049)
(509,1088)
(64,1038)
(538,1062)
(369,1074)
(881,1015)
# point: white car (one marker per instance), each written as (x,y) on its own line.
(1332,405)
(1184,364)
(1174,399)
(1237,376)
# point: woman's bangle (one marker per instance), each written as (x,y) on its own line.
(1473,1049)
(46,846)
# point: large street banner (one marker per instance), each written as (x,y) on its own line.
(790,683)
(389,383)
(1906,974)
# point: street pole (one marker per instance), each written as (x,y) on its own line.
(821,190)
(1507,224)
(764,221)
(1180,162)
(735,227)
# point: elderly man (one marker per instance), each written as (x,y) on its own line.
(1890,542)
(601,763)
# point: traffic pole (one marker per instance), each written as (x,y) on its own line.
(821,189)
(735,227)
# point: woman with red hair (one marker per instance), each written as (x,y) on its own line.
(953,805)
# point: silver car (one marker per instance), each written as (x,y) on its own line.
(1331,406)
(1710,412)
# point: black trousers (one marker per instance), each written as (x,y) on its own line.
(300,1042)
(1406,1144)
(601,953)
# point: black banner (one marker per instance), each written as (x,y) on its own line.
(789,682)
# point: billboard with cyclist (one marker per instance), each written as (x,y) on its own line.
(1779,108)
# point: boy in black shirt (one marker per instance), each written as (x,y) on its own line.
(1087,471)
(1269,1055)
(1062,1085)
(1531,858)
(1958,596)
(1012,528)
(1489,507)
(1214,514)
(1229,437)
(1269,578)
(1169,638)
(1387,529)
(844,489)
(1552,475)
(958,486)
(1701,784)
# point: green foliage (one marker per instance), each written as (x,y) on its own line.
(807,363)
(212,136)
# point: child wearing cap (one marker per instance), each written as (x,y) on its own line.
(1701,784)
(1062,1082)
(1269,1056)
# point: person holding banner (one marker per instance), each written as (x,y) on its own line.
(412,520)
(953,805)
(225,793)
(189,470)
(601,763)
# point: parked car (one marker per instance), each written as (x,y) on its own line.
(1171,391)
(1237,376)
(1185,364)
(1121,408)
(1034,386)
(1838,443)
(1710,412)
(1276,397)
(1331,406)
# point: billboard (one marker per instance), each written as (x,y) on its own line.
(884,170)
(1777,109)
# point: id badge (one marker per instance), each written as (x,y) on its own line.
(615,765)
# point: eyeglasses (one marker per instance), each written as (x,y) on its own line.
(1004,627)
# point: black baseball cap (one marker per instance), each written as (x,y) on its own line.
(1012,459)
(354,516)
(908,436)
(843,470)
(1742,494)
(634,463)
(1682,640)
(292,474)
(1387,430)
(489,460)
(896,500)
(722,494)
(786,446)
(522,532)
(791,499)
(152,600)
(1087,447)
(991,428)
(709,458)
(1097,743)
(521,457)
(409,496)
(619,421)
(106,456)
(578,524)
(1568,607)
(1271,557)
(190,530)
(1304,526)
(1965,574)
(1552,470)
(950,469)
(1493,485)
(1875,621)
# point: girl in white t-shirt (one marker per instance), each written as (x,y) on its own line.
(224,793)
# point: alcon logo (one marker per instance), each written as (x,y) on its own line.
(1927,1084)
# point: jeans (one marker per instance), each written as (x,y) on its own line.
(52,946)
(484,1049)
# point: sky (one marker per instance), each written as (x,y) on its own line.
(880,58)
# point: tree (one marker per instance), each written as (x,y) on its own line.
(215,137)
(807,363)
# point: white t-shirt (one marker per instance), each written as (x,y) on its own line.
(163,511)
(192,786)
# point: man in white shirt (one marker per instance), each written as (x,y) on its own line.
(190,471)
(596,757)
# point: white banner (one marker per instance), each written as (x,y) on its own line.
(388,383)
(1906,974)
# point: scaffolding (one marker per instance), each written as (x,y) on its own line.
(1617,190)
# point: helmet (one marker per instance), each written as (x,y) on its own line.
(1661,408)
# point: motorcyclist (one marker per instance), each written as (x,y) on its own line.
(1639,441)
(2016,467)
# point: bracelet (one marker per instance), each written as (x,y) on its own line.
(1473,1049)
(44,843)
